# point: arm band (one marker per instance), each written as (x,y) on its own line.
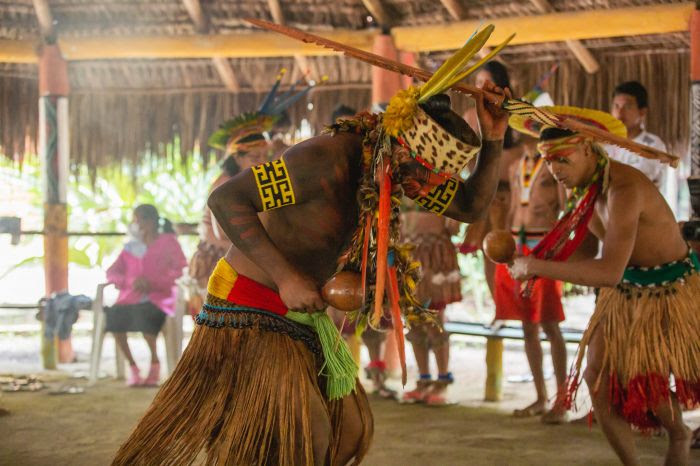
(440,197)
(274,185)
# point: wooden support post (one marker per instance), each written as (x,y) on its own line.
(384,83)
(53,151)
(695,92)
(407,58)
(494,369)
(694,180)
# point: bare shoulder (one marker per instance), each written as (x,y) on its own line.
(323,154)
(626,181)
(325,145)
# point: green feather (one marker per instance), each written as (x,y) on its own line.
(456,63)
(478,65)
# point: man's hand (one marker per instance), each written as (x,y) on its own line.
(493,120)
(141,285)
(300,293)
(522,268)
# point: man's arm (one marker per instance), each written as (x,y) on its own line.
(469,201)
(296,178)
(473,196)
(624,209)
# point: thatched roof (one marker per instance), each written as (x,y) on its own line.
(120,108)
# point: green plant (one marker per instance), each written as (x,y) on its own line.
(177,186)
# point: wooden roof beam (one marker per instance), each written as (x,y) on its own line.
(300,60)
(378,11)
(552,27)
(455,9)
(276,11)
(228,77)
(194,9)
(45,19)
(584,57)
(555,27)
(221,64)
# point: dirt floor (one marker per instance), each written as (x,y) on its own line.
(86,429)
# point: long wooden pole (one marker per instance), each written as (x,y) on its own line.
(53,150)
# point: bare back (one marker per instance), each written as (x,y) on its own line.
(658,238)
(311,235)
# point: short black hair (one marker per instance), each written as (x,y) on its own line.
(500,77)
(498,72)
(635,89)
(230,166)
(550,133)
(342,111)
(438,107)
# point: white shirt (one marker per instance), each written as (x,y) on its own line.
(653,169)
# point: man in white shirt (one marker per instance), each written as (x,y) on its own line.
(629,105)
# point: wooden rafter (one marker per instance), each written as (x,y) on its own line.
(45,19)
(228,77)
(585,58)
(221,64)
(300,59)
(455,9)
(377,9)
(555,27)
(276,11)
(194,9)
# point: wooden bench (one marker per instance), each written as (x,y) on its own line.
(494,349)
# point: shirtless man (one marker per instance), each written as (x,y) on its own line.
(247,386)
(535,204)
(646,325)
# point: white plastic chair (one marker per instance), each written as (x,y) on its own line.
(172,333)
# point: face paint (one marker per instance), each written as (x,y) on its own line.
(560,148)
(274,185)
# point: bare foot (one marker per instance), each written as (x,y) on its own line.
(555,416)
(678,453)
(535,409)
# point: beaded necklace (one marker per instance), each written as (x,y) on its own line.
(527,177)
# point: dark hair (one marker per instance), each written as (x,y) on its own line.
(635,89)
(499,76)
(149,212)
(251,138)
(230,166)
(498,72)
(548,134)
(342,110)
(438,108)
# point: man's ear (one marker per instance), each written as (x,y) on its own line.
(643,114)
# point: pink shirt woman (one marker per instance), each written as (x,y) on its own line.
(160,264)
(145,274)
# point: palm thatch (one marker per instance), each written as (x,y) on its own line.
(122,110)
